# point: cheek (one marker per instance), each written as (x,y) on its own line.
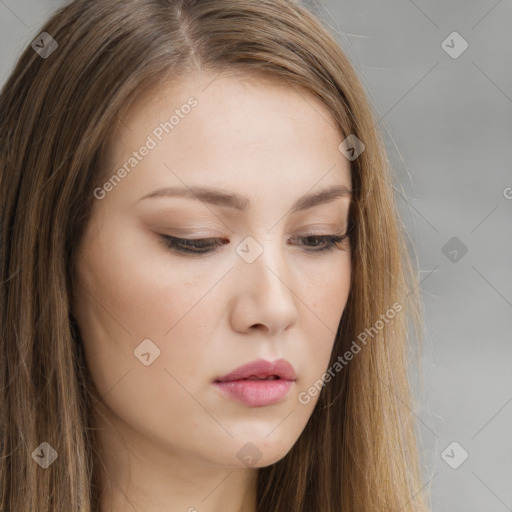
(325,299)
(131,295)
(326,293)
(124,300)
(137,287)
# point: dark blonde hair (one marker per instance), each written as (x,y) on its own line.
(359,451)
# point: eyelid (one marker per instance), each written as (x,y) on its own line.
(194,234)
(314,230)
(209,245)
(209,236)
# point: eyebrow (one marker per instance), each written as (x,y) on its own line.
(240,203)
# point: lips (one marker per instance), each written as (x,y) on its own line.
(259,383)
(261,370)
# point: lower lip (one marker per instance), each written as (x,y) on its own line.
(256,393)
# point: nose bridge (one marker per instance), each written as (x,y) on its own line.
(262,269)
(264,261)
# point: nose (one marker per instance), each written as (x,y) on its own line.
(265,296)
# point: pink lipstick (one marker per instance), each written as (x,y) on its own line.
(258,383)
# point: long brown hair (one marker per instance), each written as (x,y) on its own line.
(359,450)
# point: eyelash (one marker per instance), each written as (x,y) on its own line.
(189,246)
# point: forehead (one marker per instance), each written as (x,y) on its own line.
(251,128)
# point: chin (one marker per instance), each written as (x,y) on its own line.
(255,455)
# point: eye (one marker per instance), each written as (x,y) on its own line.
(313,243)
(191,245)
(322,243)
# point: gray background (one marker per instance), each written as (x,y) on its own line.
(447,124)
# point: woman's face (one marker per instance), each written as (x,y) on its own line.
(160,323)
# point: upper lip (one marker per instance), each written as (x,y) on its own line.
(261,368)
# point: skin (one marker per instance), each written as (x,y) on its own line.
(169,438)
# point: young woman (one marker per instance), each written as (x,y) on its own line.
(205,286)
